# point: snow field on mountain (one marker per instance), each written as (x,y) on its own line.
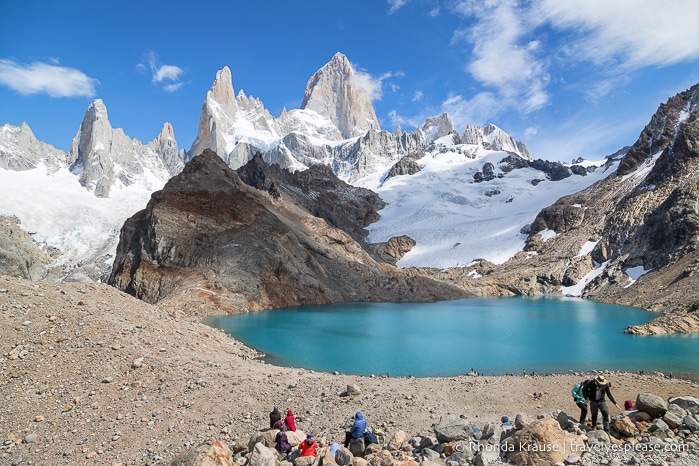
(58,211)
(455,220)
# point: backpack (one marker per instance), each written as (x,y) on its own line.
(589,389)
(370,437)
(379,435)
(577,392)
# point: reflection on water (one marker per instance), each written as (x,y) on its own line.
(493,336)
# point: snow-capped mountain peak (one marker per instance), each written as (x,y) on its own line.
(105,158)
(335,93)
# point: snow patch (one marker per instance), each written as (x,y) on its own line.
(587,248)
(635,273)
(548,234)
(578,288)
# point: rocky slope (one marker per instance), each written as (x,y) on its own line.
(209,243)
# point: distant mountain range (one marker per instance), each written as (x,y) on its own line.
(464,206)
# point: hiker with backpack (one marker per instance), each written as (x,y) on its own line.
(595,390)
(579,399)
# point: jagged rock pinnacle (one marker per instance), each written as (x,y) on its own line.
(334,92)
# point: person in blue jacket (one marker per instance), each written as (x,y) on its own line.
(357,429)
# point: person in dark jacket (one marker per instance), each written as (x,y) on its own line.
(290,421)
(282,441)
(357,429)
(274,416)
(597,389)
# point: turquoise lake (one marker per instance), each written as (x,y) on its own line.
(494,336)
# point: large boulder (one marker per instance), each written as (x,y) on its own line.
(343,457)
(672,419)
(541,443)
(296,437)
(624,426)
(262,456)
(598,439)
(357,447)
(691,423)
(451,427)
(396,440)
(651,404)
(689,403)
(265,437)
(211,453)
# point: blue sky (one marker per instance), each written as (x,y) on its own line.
(569,78)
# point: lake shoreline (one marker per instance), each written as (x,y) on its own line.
(91,373)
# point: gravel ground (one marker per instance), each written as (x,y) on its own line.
(90,375)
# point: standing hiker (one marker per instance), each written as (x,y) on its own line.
(595,391)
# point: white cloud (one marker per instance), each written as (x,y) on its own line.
(373,86)
(505,59)
(400,120)
(169,72)
(395,5)
(161,73)
(38,78)
(513,46)
(481,109)
(531,131)
(173,87)
(636,33)
(418,96)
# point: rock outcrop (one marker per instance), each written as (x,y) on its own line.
(105,157)
(20,256)
(21,150)
(336,92)
(211,243)
(492,137)
(320,192)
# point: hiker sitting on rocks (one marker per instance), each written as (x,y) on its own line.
(290,421)
(274,417)
(281,440)
(308,446)
(595,391)
(357,429)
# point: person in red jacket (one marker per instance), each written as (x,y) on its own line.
(308,446)
(290,421)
